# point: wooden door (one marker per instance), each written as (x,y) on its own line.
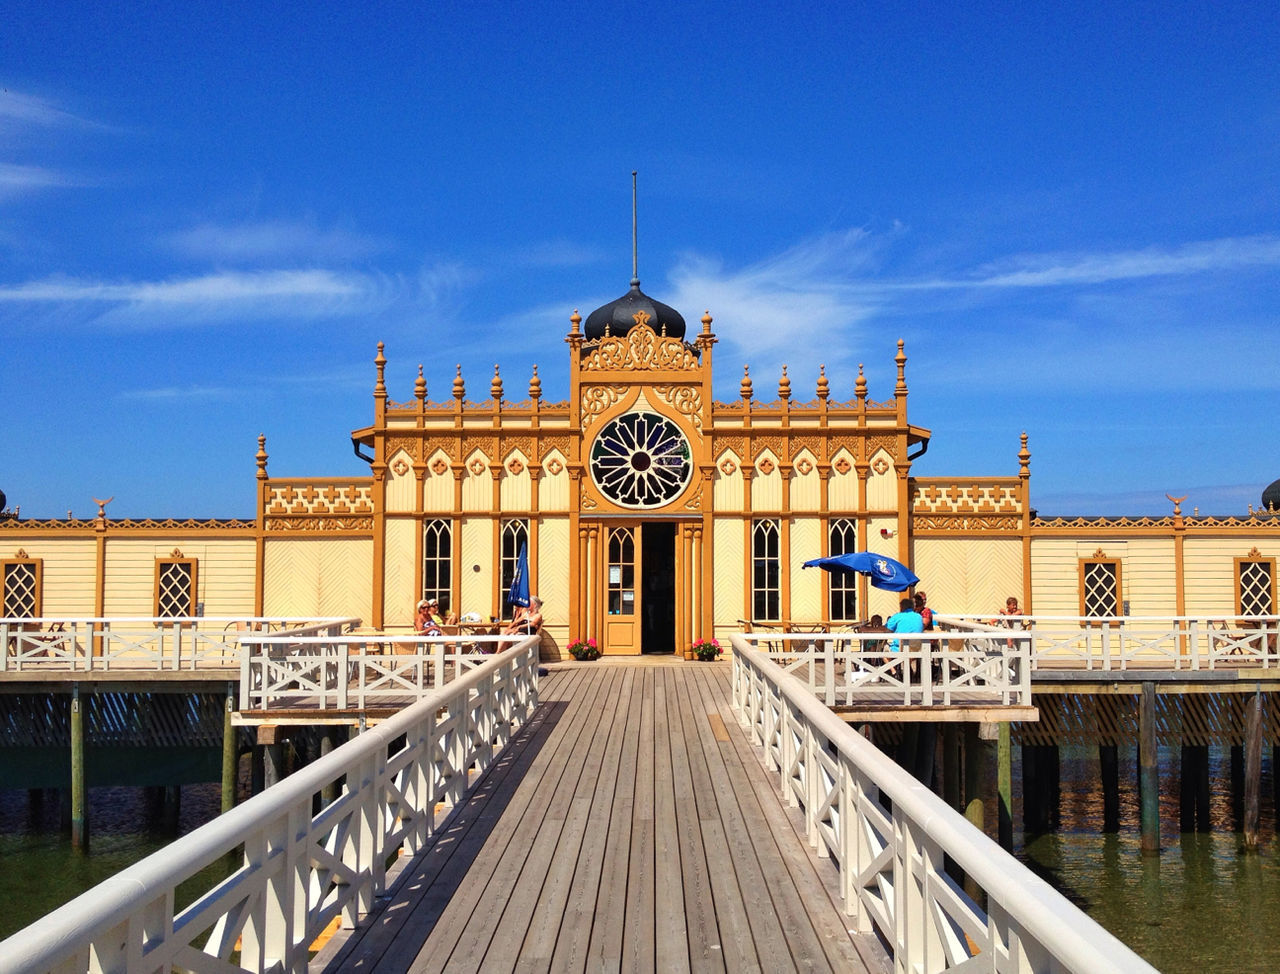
(622,595)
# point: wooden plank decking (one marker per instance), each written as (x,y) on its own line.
(630,826)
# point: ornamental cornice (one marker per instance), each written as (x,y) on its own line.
(301,525)
(965,522)
(640,349)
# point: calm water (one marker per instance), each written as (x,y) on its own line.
(1202,905)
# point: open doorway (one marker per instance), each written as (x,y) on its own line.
(658,588)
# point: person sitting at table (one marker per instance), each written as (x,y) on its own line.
(427,621)
(526,621)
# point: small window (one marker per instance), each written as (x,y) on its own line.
(437,561)
(842,539)
(515,535)
(766,569)
(1100,586)
(1255,585)
(22,585)
(175,587)
(622,572)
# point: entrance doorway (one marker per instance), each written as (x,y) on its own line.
(640,588)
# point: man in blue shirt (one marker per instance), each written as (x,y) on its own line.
(906,619)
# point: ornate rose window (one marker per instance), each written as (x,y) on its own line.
(641,460)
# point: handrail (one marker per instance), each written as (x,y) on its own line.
(891,859)
(300,869)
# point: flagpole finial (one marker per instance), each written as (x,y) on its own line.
(635,249)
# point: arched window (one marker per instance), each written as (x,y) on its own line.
(622,572)
(766,569)
(437,561)
(515,534)
(842,538)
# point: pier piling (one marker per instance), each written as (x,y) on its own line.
(1252,769)
(1109,767)
(1004,786)
(1148,771)
(79,794)
(230,752)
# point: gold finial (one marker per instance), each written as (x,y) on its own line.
(381,362)
(706,322)
(784,386)
(459,387)
(262,456)
(575,319)
(495,387)
(860,387)
(420,385)
(102,506)
(824,387)
(1177,503)
(1024,458)
(535,386)
(901,359)
(744,387)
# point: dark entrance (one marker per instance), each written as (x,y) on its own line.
(658,588)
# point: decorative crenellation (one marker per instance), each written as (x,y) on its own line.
(316,500)
(640,349)
(128,524)
(972,498)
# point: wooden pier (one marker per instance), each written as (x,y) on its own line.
(630,826)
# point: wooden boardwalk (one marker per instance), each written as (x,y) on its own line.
(629,827)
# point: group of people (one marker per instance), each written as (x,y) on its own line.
(526,621)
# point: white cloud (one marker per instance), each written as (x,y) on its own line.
(222,287)
(14,177)
(272,240)
(18,111)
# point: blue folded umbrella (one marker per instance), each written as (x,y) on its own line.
(885,573)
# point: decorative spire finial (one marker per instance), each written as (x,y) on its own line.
(380,389)
(459,387)
(262,456)
(784,386)
(860,387)
(635,248)
(744,387)
(420,386)
(824,387)
(575,319)
(495,387)
(1024,458)
(535,386)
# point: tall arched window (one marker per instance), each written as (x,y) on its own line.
(842,538)
(766,569)
(437,561)
(622,572)
(515,534)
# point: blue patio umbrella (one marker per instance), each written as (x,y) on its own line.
(519,593)
(887,574)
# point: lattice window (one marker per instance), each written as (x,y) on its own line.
(622,572)
(766,569)
(22,587)
(842,538)
(514,535)
(1255,586)
(1100,587)
(176,588)
(437,561)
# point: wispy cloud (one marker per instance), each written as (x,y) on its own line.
(272,240)
(19,111)
(17,177)
(221,287)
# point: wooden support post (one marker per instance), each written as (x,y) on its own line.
(230,752)
(951,790)
(1148,771)
(1237,787)
(1187,789)
(1032,820)
(172,808)
(1051,803)
(273,765)
(79,794)
(975,753)
(1109,766)
(257,769)
(1004,786)
(1252,769)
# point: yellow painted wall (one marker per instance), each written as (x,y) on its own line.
(437,488)
(806,583)
(67,573)
(729,577)
(728,493)
(882,488)
(1210,570)
(477,488)
(318,577)
(968,575)
(476,587)
(515,488)
(553,582)
(1149,580)
(806,488)
(553,488)
(842,489)
(766,488)
(401,487)
(400,595)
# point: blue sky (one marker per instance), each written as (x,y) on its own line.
(210,214)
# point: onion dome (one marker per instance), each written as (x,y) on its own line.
(620,316)
(1271,497)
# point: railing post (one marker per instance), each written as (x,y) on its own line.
(829,671)
(1193,636)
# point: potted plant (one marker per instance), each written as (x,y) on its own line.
(706,650)
(584,650)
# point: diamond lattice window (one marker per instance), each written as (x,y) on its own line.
(175,589)
(21,589)
(1256,588)
(1101,588)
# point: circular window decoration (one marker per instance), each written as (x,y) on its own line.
(641,460)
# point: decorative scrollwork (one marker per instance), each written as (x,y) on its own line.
(640,349)
(302,524)
(686,400)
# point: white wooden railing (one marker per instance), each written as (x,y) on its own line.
(299,869)
(344,672)
(887,834)
(146,643)
(924,669)
(1124,642)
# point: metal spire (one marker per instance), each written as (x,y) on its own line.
(635,252)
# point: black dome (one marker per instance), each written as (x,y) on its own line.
(620,316)
(1271,497)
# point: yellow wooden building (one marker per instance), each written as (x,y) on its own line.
(653,515)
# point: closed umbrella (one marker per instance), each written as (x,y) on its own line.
(519,593)
(885,572)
